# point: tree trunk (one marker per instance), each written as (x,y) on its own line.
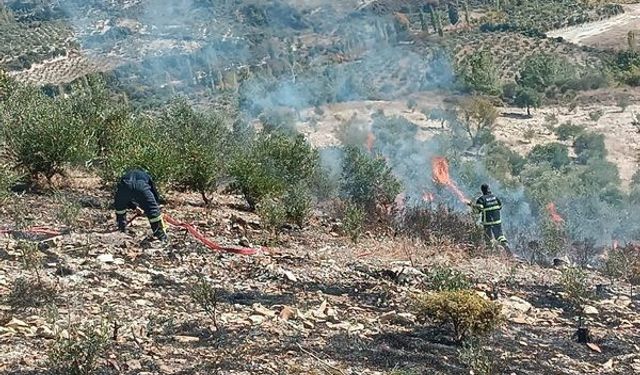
(529,111)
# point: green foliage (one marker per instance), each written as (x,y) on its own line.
(68,212)
(554,241)
(79,352)
(479,116)
(575,284)
(623,263)
(540,72)
(596,115)
(442,279)
(478,360)
(42,135)
(279,121)
(353,221)
(199,146)
(589,146)
(206,295)
(469,314)
(272,213)
(368,182)
(479,73)
(502,161)
(567,131)
(526,98)
(269,165)
(298,204)
(7,179)
(139,143)
(553,153)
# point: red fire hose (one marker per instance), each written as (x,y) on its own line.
(207,242)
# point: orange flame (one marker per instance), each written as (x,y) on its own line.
(370,140)
(428,197)
(553,214)
(440,168)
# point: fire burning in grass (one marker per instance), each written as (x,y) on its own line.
(440,170)
(553,213)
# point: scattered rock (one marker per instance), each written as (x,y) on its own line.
(622,301)
(45,332)
(106,258)
(264,311)
(517,304)
(393,317)
(590,310)
(186,339)
(287,313)
(257,319)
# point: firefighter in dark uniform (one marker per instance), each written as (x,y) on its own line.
(137,190)
(489,206)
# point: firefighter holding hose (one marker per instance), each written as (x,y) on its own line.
(489,206)
(136,190)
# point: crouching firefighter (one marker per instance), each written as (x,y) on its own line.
(136,190)
(489,206)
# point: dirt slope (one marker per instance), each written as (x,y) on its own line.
(313,304)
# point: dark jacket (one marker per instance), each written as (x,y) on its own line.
(489,207)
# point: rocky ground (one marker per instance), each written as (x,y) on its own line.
(309,303)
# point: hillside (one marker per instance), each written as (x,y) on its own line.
(313,303)
(340,146)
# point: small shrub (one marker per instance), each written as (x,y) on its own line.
(623,101)
(7,179)
(623,264)
(270,164)
(479,73)
(447,279)
(554,242)
(68,212)
(353,221)
(479,117)
(283,121)
(551,119)
(596,115)
(427,224)
(476,358)
(272,213)
(553,153)
(298,204)
(206,295)
(30,293)
(568,131)
(199,144)
(42,135)
(78,352)
(589,146)
(368,182)
(465,311)
(575,285)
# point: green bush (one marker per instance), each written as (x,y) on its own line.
(367,181)
(43,135)
(589,146)
(568,131)
(298,204)
(200,144)
(270,164)
(553,153)
(7,179)
(140,143)
(527,98)
(479,73)
(272,213)
(468,314)
(448,279)
(431,225)
(353,221)
(575,285)
(79,352)
(541,72)
(501,161)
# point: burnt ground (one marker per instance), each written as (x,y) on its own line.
(311,303)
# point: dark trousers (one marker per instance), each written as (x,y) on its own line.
(494,231)
(137,193)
